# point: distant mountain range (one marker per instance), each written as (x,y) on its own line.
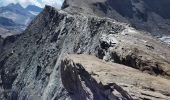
(6,22)
(33,9)
(14,18)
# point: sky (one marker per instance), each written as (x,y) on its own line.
(40,3)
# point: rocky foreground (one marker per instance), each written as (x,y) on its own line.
(93,78)
(34,67)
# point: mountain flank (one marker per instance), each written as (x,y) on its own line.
(72,54)
(151,16)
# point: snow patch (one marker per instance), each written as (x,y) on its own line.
(34,13)
(166,39)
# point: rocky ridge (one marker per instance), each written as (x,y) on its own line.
(150,16)
(31,66)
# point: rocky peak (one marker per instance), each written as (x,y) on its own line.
(15,8)
(33,8)
(32,66)
(31,63)
(17,5)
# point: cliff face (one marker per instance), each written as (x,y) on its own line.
(152,16)
(30,68)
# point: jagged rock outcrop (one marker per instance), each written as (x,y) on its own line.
(31,63)
(91,76)
(30,67)
(83,86)
(151,16)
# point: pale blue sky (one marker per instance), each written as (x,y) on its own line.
(40,3)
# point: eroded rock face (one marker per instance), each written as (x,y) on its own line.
(30,67)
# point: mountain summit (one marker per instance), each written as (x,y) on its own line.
(16,13)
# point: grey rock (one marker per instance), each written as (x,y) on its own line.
(109,40)
(141,14)
(33,59)
(30,66)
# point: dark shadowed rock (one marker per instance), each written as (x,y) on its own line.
(1,43)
